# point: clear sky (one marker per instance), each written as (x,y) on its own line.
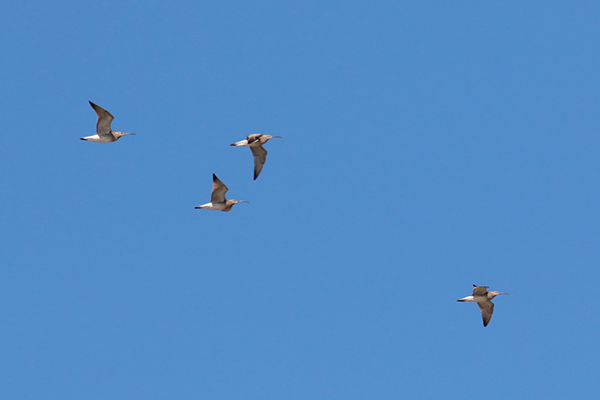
(427,146)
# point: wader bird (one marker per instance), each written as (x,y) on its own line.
(217,199)
(255,142)
(104,133)
(483,299)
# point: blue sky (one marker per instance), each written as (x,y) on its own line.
(427,146)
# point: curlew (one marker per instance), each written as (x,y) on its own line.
(217,198)
(104,133)
(255,142)
(483,298)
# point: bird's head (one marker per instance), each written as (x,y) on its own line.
(121,134)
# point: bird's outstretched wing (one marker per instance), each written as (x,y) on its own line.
(218,191)
(479,290)
(487,309)
(260,157)
(104,120)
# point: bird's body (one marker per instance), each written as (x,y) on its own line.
(483,298)
(99,139)
(217,199)
(255,142)
(211,206)
(104,132)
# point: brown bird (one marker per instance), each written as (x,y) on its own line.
(104,133)
(255,142)
(483,298)
(217,198)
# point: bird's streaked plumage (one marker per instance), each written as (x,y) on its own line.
(483,298)
(217,199)
(104,132)
(255,142)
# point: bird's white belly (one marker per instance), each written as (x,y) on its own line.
(99,139)
(213,206)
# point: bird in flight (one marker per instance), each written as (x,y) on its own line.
(483,298)
(217,198)
(104,133)
(255,142)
